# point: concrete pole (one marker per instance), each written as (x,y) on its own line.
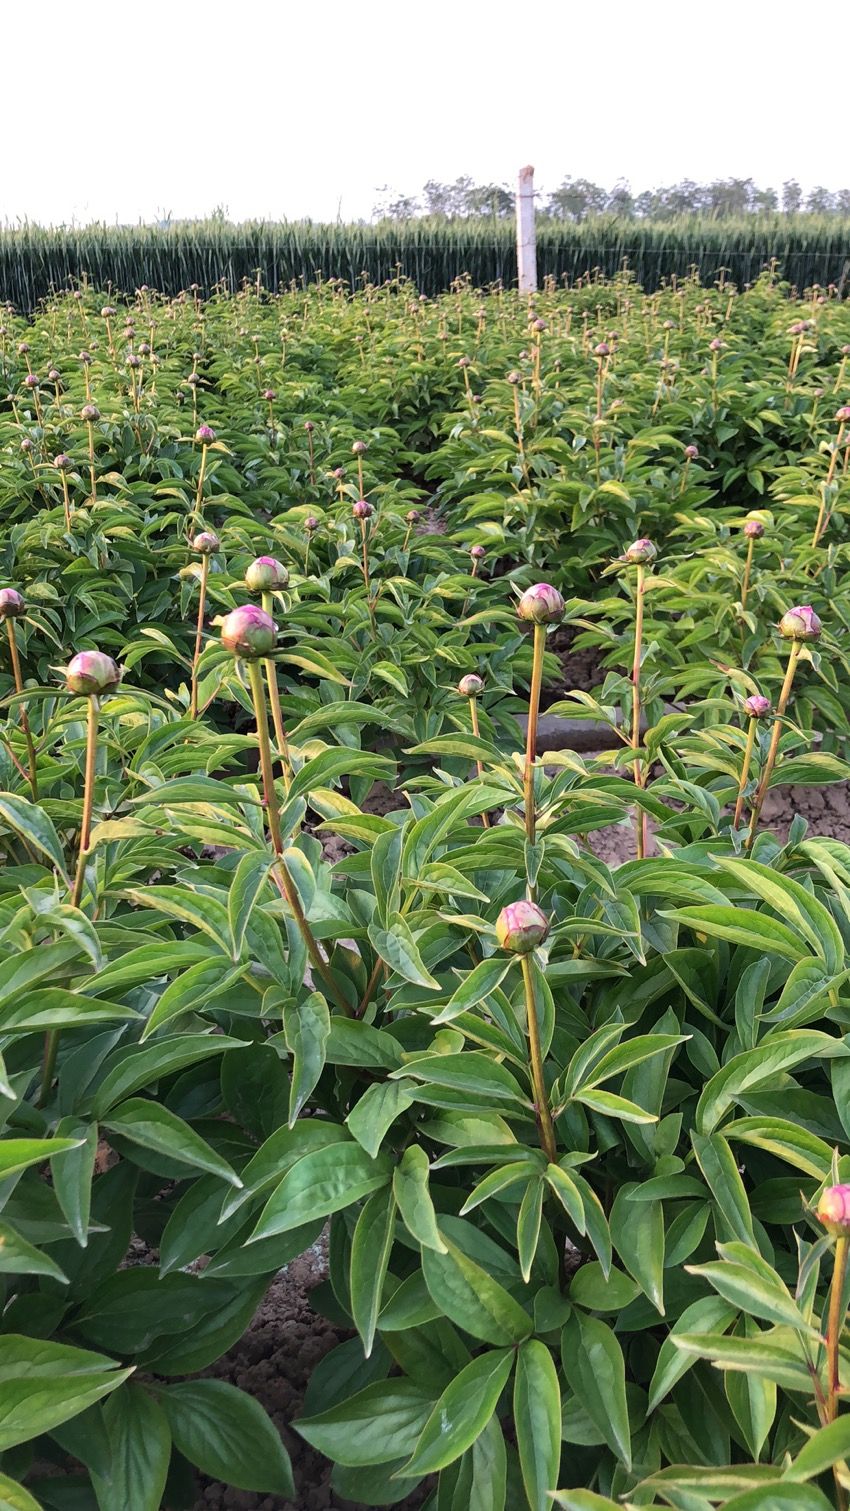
(526,243)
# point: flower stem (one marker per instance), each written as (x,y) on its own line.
(281,872)
(199,492)
(640,817)
(542,1111)
(767,772)
(277,712)
(479,765)
(202,604)
(25,723)
(745,772)
(531,735)
(748,564)
(834,1326)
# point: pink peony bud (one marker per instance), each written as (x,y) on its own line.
(692,452)
(205,434)
(640,551)
(800,623)
(309,426)
(92,673)
(269,394)
(359,447)
(90,413)
(753,529)
(54,375)
(465,362)
(362,509)
(539,325)
(193,380)
(12,605)
(541,604)
(31,381)
(471,685)
(107,312)
(514,377)
(206,543)
(248,631)
(266,574)
(843,413)
(311,523)
(716,345)
(602,349)
(411,517)
(62,462)
(757,706)
(477,553)
(26,444)
(521,927)
(833,1210)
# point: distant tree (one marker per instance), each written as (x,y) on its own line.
(576,199)
(765,201)
(820,201)
(792,197)
(493,200)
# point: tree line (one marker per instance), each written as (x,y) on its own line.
(579,199)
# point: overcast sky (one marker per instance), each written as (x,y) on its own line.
(121,111)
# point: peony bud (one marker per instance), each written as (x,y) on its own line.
(753,529)
(465,362)
(248,631)
(31,381)
(63,462)
(411,517)
(92,673)
(477,553)
(311,523)
(54,375)
(757,706)
(541,604)
(692,452)
(716,345)
(833,1210)
(640,552)
(206,543)
(12,605)
(309,426)
(362,509)
(269,394)
(521,927)
(107,312)
(193,380)
(359,447)
(471,685)
(843,413)
(90,413)
(266,574)
(26,444)
(514,377)
(800,623)
(602,349)
(205,434)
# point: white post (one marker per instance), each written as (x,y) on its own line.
(526,244)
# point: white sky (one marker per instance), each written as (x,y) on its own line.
(122,111)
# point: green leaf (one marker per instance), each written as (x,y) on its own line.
(396,945)
(637,1233)
(140,1444)
(371,1246)
(756,931)
(17,1257)
(753,1286)
(745,1072)
(710,1314)
(378,1424)
(474,988)
(156,1127)
(537,1417)
(416,1209)
(56,1007)
(45,1383)
(195,908)
(321,1182)
(596,1373)
(471,1071)
(377,1110)
(788,1141)
(462,1413)
(33,826)
(189,991)
(135,1067)
(472,1299)
(13,1497)
(249,878)
(717,1163)
(17,1154)
(227,1435)
(306,1026)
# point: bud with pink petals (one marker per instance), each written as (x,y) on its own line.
(521,927)
(205,434)
(640,552)
(541,604)
(471,685)
(12,605)
(206,543)
(833,1210)
(92,674)
(753,529)
(757,706)
(800,623)
(266,575)
(362,509)
(248,631)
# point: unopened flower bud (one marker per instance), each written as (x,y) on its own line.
(521,927)
(205,434)
(248,631)
(843,413)
(193,380)
(90,413)
(31,381)
(539,325)
(62,462)
(309,426)
(514,377)
(359,447)
(478,553)
(753,529)
(107,312)
(541,604)
(716,345)
(833,1210)
(206,543)
(602,349)
(26,444)
(640,552)
(757,706)
(465,362)
(471,685)
(12,605)
(54,375)
(339,474)
(362,509)
(692,452)
(411,517)
(800,623)
(92,673)
(133,360)
(269,394)
(311,523)
(266,574)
